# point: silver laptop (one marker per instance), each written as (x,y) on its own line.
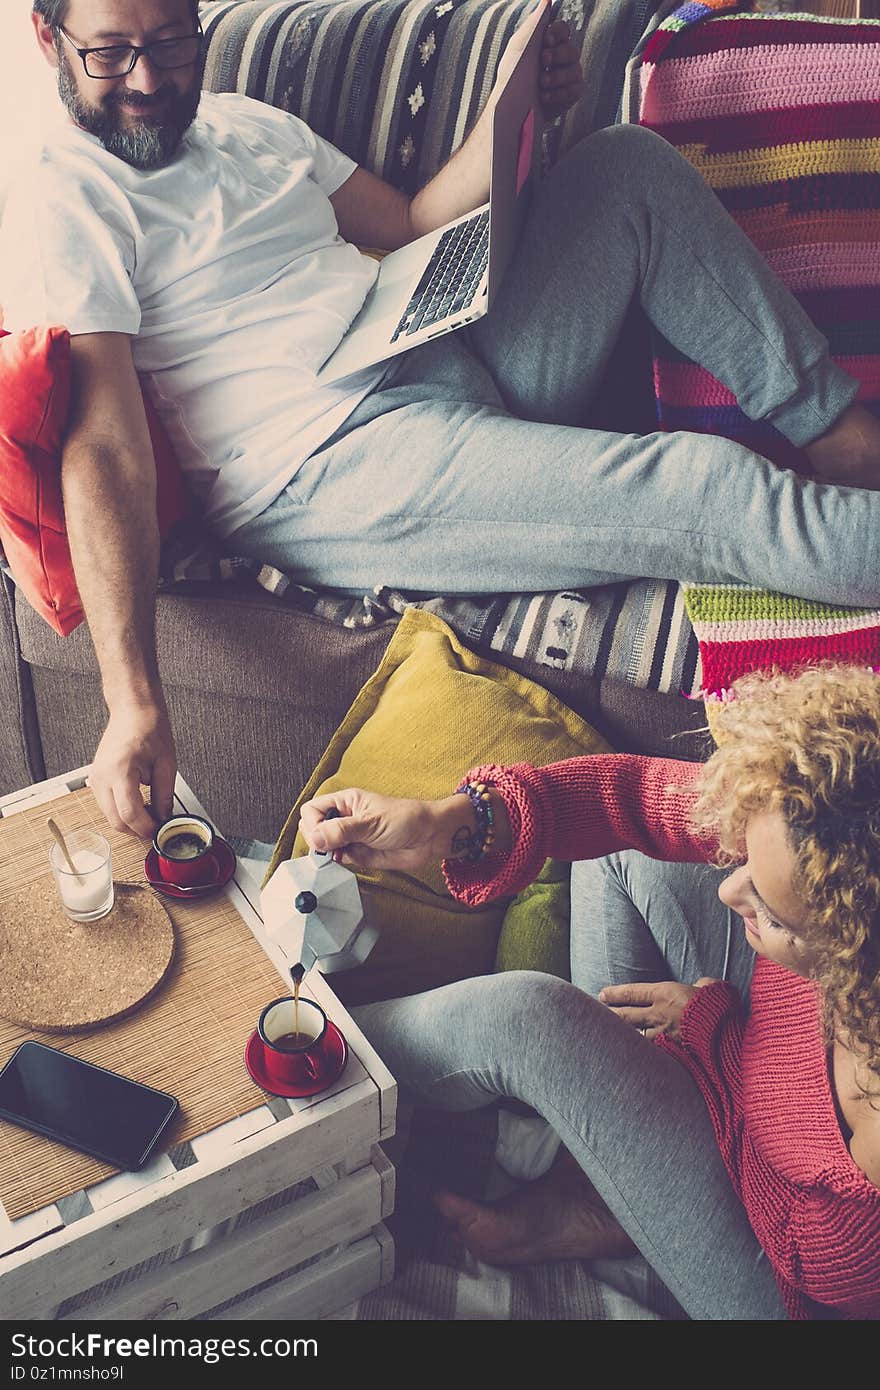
(450,277)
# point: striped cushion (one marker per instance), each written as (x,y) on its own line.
(397,84)
(772,110)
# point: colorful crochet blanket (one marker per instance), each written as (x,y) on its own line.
(780,113)
(741,630)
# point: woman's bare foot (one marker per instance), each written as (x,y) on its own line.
(558,1217)
(848,453)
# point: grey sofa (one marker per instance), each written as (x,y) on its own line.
(256,687)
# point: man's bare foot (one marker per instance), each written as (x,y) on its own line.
(848,453)
(558,1217)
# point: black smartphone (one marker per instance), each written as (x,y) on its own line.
(86,1107)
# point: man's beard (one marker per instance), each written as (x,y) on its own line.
(146,145)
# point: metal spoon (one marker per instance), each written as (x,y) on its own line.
(181,888)
(178,888)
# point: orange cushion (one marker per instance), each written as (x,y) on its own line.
(34,402)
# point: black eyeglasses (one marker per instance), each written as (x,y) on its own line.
(119,59)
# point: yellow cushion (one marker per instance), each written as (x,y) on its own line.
(431,711)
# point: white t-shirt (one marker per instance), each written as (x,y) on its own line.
(227,270)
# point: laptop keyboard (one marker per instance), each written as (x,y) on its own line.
(450,278)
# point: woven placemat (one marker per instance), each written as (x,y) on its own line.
(61,975)
(189,1038)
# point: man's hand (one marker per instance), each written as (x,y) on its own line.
(561,80)
(137,750)
(653,1009)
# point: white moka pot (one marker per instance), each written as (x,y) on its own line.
(312,908)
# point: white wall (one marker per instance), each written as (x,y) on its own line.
(27,89)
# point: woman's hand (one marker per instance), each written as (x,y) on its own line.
(385,832)
(653,1009)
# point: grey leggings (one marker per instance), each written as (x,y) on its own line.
(630,1114)
(470,470)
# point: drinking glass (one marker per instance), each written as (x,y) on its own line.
(87,894)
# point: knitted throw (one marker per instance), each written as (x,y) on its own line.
(780,114)
(741,630)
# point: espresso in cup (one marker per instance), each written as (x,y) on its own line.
(292,1042)
(294,1039)
(184,844)
(184,848)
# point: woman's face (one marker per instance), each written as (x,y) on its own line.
(761,892)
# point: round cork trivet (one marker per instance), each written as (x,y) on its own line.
(60,975)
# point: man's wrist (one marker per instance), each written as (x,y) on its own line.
(141,700)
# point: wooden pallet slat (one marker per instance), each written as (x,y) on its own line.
(320,1290)
(248,1256)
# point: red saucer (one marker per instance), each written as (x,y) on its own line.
(225,859)
(333,1069)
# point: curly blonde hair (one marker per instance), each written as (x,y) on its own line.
(807,744)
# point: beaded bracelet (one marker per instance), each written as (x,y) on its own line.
(480,842)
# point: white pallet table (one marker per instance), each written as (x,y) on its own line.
(321,1290)
(199,1221)
(255,1253)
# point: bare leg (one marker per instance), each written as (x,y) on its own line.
(558,1217)
(849,452)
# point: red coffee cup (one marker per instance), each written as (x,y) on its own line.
(294,1042)
(185,856)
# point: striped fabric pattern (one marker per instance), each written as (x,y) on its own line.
(377,79)
(397,84)
(638,633)
(780,115)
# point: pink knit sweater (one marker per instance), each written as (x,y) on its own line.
(764,1078)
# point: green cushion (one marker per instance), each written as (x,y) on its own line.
(534,933)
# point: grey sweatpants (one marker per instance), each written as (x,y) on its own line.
(629,1113)
(469,468)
